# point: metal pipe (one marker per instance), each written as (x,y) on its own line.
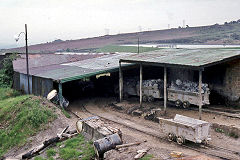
(27,58)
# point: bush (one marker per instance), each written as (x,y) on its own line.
(6,73)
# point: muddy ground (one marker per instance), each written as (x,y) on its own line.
(160,147)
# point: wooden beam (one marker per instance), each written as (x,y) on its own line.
(165,90)
(120,82)
(140,85)
(60,94)
(200,94)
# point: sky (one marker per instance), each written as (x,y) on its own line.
(49,20)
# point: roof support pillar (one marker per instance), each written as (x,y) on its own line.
(165,89)
(120,82)
(140,85)
(60,94)
(200,94)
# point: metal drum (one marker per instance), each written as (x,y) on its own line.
(107,143)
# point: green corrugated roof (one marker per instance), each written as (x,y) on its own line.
(195,58)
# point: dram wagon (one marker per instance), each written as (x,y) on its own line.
(183,128)
(152,89)
(186,93)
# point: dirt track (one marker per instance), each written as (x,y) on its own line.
(160,147)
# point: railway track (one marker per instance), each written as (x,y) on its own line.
(211,150)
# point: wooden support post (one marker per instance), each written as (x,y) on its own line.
(60,94)
(140,85)
(200,94)
(120,82)
(165,89)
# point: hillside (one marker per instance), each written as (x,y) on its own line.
(228,33)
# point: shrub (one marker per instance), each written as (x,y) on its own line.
(6,73)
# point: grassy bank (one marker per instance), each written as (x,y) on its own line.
(129,49)
(71,149)
(21,116)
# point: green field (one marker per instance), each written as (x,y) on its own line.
(128,49)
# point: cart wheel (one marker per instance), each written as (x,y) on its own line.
(150,99)
(171,137)
(180,140)
(186,104)
(144,98)
(178,103)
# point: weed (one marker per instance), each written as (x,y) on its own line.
(66,113)
(51,152)
(233,134)
(7,93)
(219,130)
(75,147)
(147,157)
(39,158)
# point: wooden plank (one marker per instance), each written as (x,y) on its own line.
(120,82)
(165,89)
(200,94)
(140,85)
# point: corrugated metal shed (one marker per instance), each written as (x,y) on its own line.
(64,69)
(192,58)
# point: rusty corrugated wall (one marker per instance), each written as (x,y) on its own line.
(16,80)
(41,86)
(24,83)
(38,86)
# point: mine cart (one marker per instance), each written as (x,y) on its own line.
(151,89)
(183,128)
(184,98)
(186,93)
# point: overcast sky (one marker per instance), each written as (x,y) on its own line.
(74,19)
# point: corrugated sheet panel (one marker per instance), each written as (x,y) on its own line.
(16,81)
(184,57)
(24,83)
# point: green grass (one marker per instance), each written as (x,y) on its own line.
(147,157)
(51,152)
(20,117)
(71,149)
(39,158)
(75,147)
(66,113)
(219,130)
(129,49)
(7,93)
